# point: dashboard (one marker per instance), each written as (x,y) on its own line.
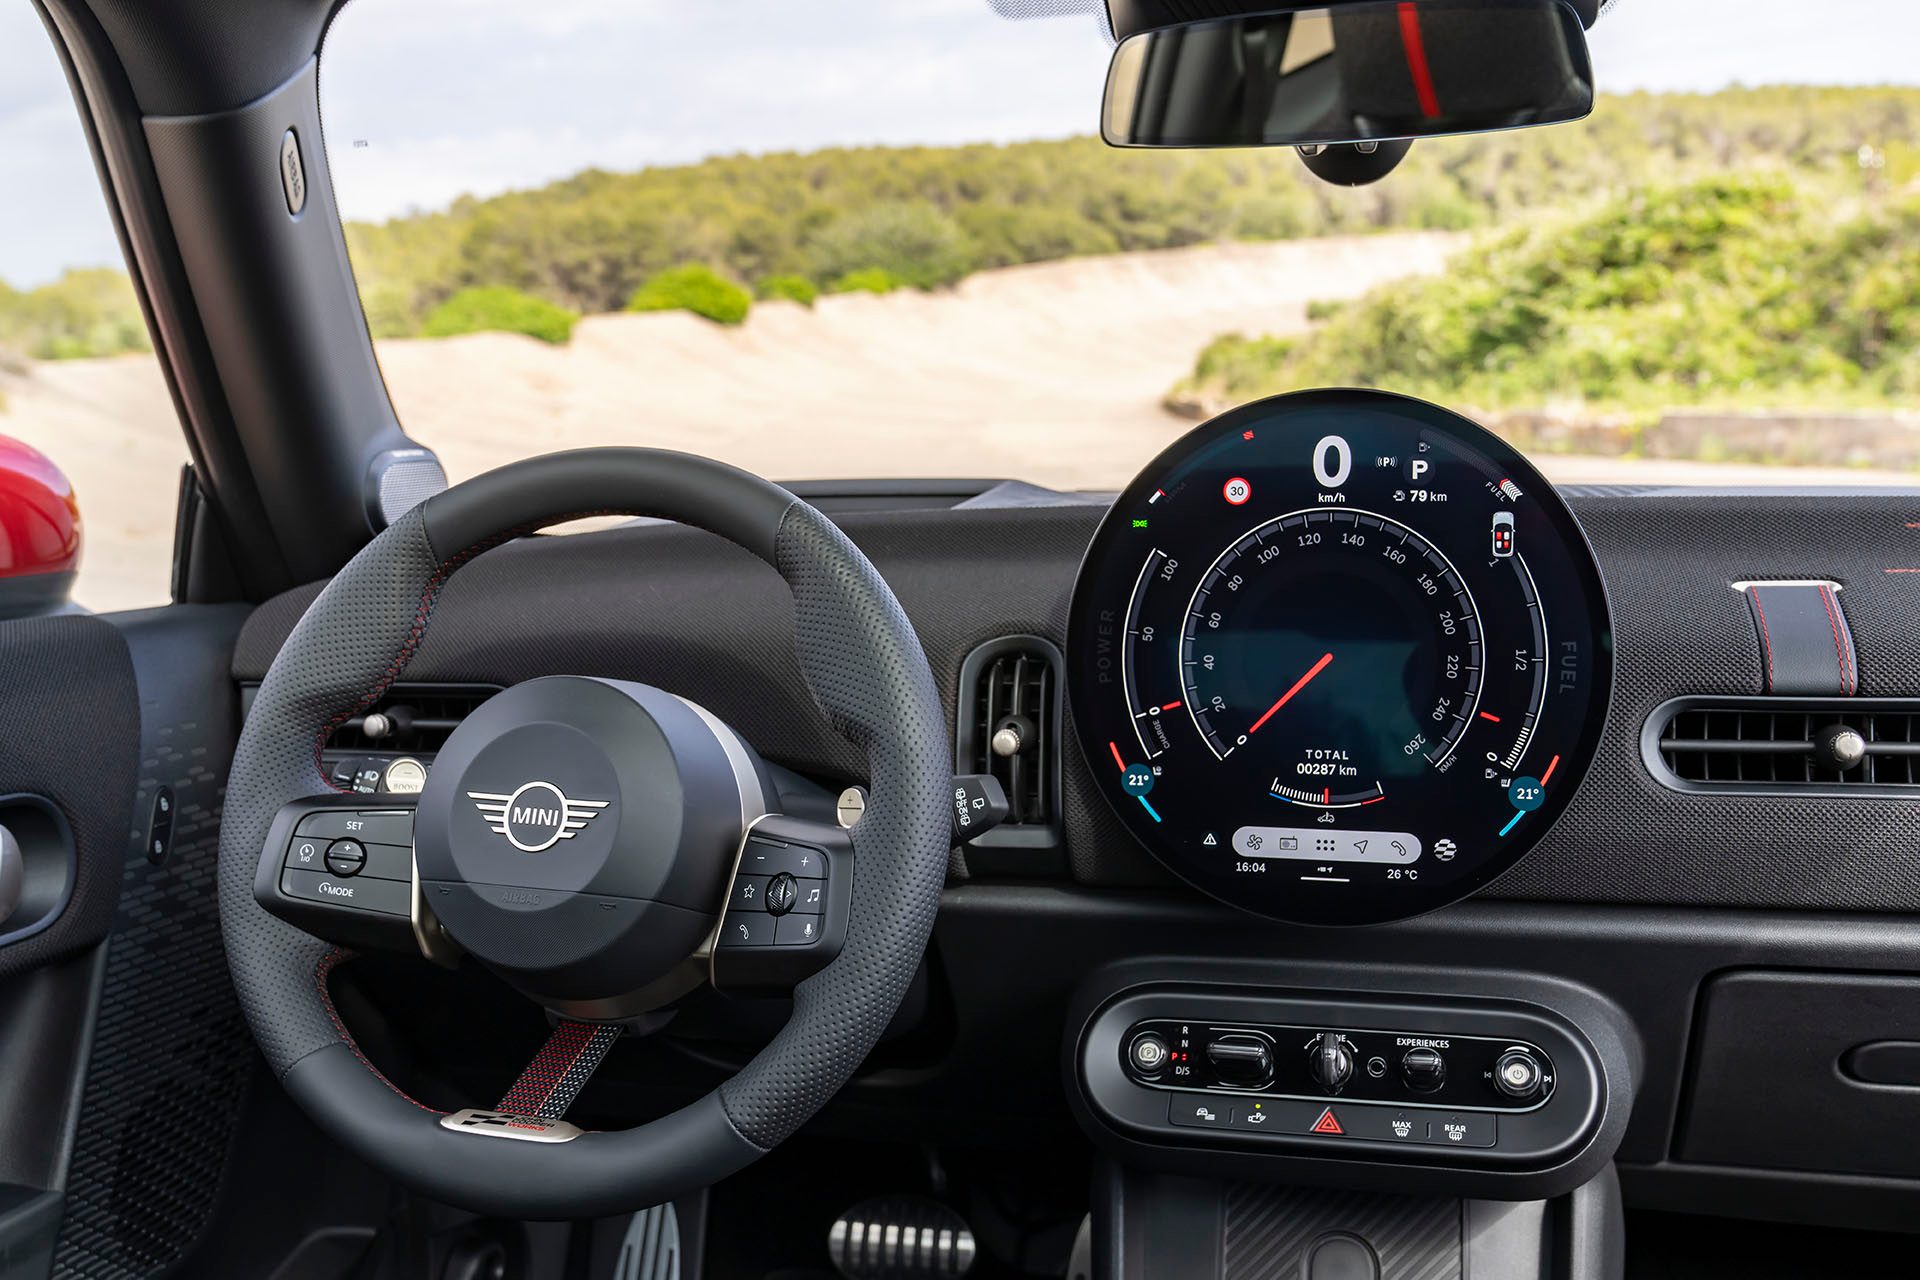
(1339,656)
(1634,910)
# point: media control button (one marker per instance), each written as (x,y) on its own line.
(1517,1074)
(781,893)
(764,857)
(810,897)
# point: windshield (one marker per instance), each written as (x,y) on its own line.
(880,239)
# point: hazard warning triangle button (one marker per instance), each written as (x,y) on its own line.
(1327,1123)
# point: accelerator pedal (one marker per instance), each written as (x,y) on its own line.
(651,1247)
(901,1238)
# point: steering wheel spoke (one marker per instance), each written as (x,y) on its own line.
(341,868)
(789,908)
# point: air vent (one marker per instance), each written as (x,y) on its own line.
(411,719)
(1010,727)
(1851,746)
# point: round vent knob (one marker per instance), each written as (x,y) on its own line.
(1840,747)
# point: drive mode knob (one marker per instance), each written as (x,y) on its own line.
(1517,1074)
(1424,1070)
(1330,1060)
(1241,1060)
(1147,1053)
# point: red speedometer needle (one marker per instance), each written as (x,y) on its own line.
(1286,697)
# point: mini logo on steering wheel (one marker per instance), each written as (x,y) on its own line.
(536,816)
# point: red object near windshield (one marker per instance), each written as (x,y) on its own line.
(39,525)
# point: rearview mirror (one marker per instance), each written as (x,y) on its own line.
(1356,72)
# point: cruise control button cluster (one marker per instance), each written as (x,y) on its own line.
(351,859)
(778,897)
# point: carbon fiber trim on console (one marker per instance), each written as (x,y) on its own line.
(171,1054)
(712,624)
(1270,1230)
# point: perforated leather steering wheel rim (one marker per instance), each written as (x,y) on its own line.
(862,663)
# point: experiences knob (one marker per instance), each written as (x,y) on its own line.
(1330,1060)
(1423,1070)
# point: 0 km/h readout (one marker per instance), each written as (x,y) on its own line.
(1312,657)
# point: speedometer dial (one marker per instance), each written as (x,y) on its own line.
(1339,656)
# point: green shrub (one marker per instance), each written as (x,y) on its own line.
(695,288)
(915,243)
(498,309)
(793,288)
(869,280)
(1731,292)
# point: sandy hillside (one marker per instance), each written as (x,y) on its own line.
(1050,373)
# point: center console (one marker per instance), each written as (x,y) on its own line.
(1460,1114)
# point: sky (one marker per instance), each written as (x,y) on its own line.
(424,100)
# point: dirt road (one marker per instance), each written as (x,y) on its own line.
(1050,373)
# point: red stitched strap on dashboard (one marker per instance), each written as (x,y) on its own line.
(560,1070)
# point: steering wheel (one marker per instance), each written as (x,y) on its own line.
(603,846)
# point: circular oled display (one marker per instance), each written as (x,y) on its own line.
(1339,656)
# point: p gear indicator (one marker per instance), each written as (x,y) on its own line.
(1311,698)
